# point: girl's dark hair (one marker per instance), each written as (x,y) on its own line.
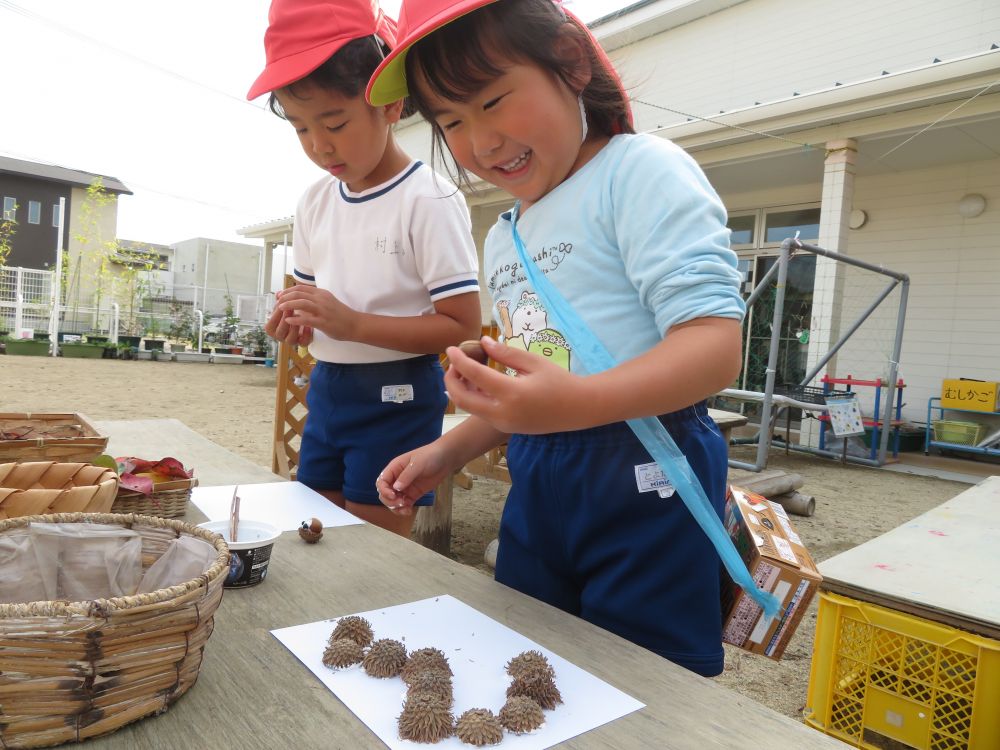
(459,59)
(347,72)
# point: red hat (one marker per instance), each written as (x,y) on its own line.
(303,34)
(420,18)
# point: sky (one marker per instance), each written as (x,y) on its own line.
(154,94)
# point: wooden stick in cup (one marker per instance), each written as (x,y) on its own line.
(234,515)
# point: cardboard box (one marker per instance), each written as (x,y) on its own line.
(778,562)
(972,395)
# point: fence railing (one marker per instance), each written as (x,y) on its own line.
(28,307)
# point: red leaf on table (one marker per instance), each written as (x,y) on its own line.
(137,484)
(132,465)
(171,467)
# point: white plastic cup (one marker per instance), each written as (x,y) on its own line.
(249,557)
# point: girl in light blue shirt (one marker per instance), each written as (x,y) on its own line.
(628,229)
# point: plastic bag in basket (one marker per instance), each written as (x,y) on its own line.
(72,562)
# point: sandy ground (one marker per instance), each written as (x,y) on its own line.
(234,406)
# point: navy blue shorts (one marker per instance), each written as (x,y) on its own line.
(361,417)
(577,533)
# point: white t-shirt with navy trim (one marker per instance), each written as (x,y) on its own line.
(393,249)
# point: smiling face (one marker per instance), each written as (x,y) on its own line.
(342,135)
(521,131)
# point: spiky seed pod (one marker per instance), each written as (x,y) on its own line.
(520,714)
(385,658)
(432,681)
(540,688)
(425,658)
(342,652)
(425,718)
(529,661)
(358,629)
(478,726)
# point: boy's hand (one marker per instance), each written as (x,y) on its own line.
(312,307)
(277,327)
(409,477)
(543,397)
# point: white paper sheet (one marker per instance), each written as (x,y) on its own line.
(478,649)
(282,504)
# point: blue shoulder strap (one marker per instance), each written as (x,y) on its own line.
(650,431)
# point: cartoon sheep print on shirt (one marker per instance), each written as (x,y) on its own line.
(527,328)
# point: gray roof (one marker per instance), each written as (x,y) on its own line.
(52,173)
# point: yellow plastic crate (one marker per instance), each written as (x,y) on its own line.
(884,679)
(960,433)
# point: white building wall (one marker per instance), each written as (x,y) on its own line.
(952,325)
(230,265)
(765,50)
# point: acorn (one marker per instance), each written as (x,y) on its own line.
(385,658)
(426,718)
(474,350)
(528,662)
(358,629)
(342,652)
(521,715)
(478,726)
(311,531)
(539,687)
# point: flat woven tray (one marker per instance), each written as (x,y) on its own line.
(169,499)
(75,670)
(35,488)
(26,436)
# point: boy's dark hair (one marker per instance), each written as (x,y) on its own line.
(347,72)
(458,59)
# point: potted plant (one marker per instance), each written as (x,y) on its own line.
(152,340)
(81,349)
(255,341)
(130,341)
(181,331)
(230,327)
(29,347)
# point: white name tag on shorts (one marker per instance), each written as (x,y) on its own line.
(396,394)
(650,477)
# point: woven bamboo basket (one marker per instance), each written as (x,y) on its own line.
(74,670)
(37,488)
(169,499)
(49,437)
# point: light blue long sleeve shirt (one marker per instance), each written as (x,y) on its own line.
(636,241)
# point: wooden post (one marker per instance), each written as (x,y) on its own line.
(432,526)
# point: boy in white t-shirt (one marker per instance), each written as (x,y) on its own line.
(384,257)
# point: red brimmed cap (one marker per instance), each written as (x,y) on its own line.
(303,34)
(420,18)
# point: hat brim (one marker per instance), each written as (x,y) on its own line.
(388,83)
(280,73)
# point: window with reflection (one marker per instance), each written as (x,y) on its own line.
(780,225)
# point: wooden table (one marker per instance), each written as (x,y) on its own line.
(157,438)
(941,566)
(253,693)
(727,420)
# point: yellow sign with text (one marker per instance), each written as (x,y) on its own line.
(974,395)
